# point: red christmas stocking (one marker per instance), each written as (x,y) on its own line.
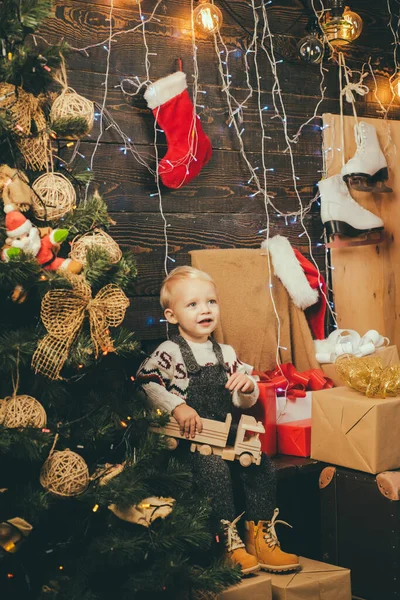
(189,149)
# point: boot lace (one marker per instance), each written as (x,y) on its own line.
(232,537)
(269,530)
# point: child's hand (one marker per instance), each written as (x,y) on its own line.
(188,420)
(239,382)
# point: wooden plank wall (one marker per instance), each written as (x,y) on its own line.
(215,210)
(365,278)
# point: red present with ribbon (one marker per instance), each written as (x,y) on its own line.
(291,383)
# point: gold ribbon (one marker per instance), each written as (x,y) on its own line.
(366,375)
(63,312)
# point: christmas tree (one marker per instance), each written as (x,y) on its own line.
(92,505)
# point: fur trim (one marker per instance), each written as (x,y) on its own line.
(288,269)
(24,228)
(165,89)
(9,208)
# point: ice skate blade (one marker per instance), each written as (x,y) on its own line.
(364,238)
(363,182)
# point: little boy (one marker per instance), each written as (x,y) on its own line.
(192,377)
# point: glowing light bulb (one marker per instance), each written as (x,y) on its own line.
(207,18)
(337,30)
(355,20)
(341,25)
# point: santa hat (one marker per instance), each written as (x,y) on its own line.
(16,223)
(302,280)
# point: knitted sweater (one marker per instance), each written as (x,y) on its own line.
(165,381)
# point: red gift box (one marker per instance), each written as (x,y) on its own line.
(265,411)
(294,438)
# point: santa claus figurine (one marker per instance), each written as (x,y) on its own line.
(23,236)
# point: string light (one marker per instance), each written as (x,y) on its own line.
(207,18)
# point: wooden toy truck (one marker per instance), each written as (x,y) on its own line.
(213,439)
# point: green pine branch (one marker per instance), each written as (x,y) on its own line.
(99,271)
(17,347)
(27,444)
(76,127)
(88,215)
(33,12)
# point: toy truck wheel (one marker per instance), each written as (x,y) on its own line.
(172,443)
(245,459)
(205,450)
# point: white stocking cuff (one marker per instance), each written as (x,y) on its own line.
(164,89)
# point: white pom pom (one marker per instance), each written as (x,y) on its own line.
(8,208)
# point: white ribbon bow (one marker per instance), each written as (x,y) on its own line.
(348,341)
(358,87)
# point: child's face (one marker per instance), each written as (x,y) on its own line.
(194,308)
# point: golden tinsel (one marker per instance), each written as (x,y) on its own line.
(22,411)
(95,239)
(70,105)
(367,375)
(55,196)
(65,474)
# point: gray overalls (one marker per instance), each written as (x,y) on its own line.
(209,397)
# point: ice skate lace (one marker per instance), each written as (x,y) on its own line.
(232,539)
(360,137)
(269,529)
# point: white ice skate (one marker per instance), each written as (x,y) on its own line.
(340,213)
(367,171)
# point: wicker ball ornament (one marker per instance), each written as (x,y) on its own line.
(65,474)
(68,106)
(95,239)
(22,411)
(55,196)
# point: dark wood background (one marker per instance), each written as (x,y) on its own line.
(214,210)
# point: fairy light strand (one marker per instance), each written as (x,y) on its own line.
(103,105)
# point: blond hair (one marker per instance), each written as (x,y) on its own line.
(179,274)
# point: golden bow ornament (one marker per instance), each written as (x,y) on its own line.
(63,312)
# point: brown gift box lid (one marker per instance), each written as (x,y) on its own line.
(315,581)
(256,586)
(354,431)
(388,355)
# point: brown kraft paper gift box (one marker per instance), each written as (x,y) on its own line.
(389,356)
(315,581)
(351,430)
(256,587)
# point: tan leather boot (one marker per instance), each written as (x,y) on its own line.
(262,542)
(236,550)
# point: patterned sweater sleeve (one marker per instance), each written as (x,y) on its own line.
(240,399)
(163,378)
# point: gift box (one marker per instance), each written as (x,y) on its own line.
(351,430)
(256,587)
(389,356)
(294,426)
(294,438)
(315,581)
(265,411)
